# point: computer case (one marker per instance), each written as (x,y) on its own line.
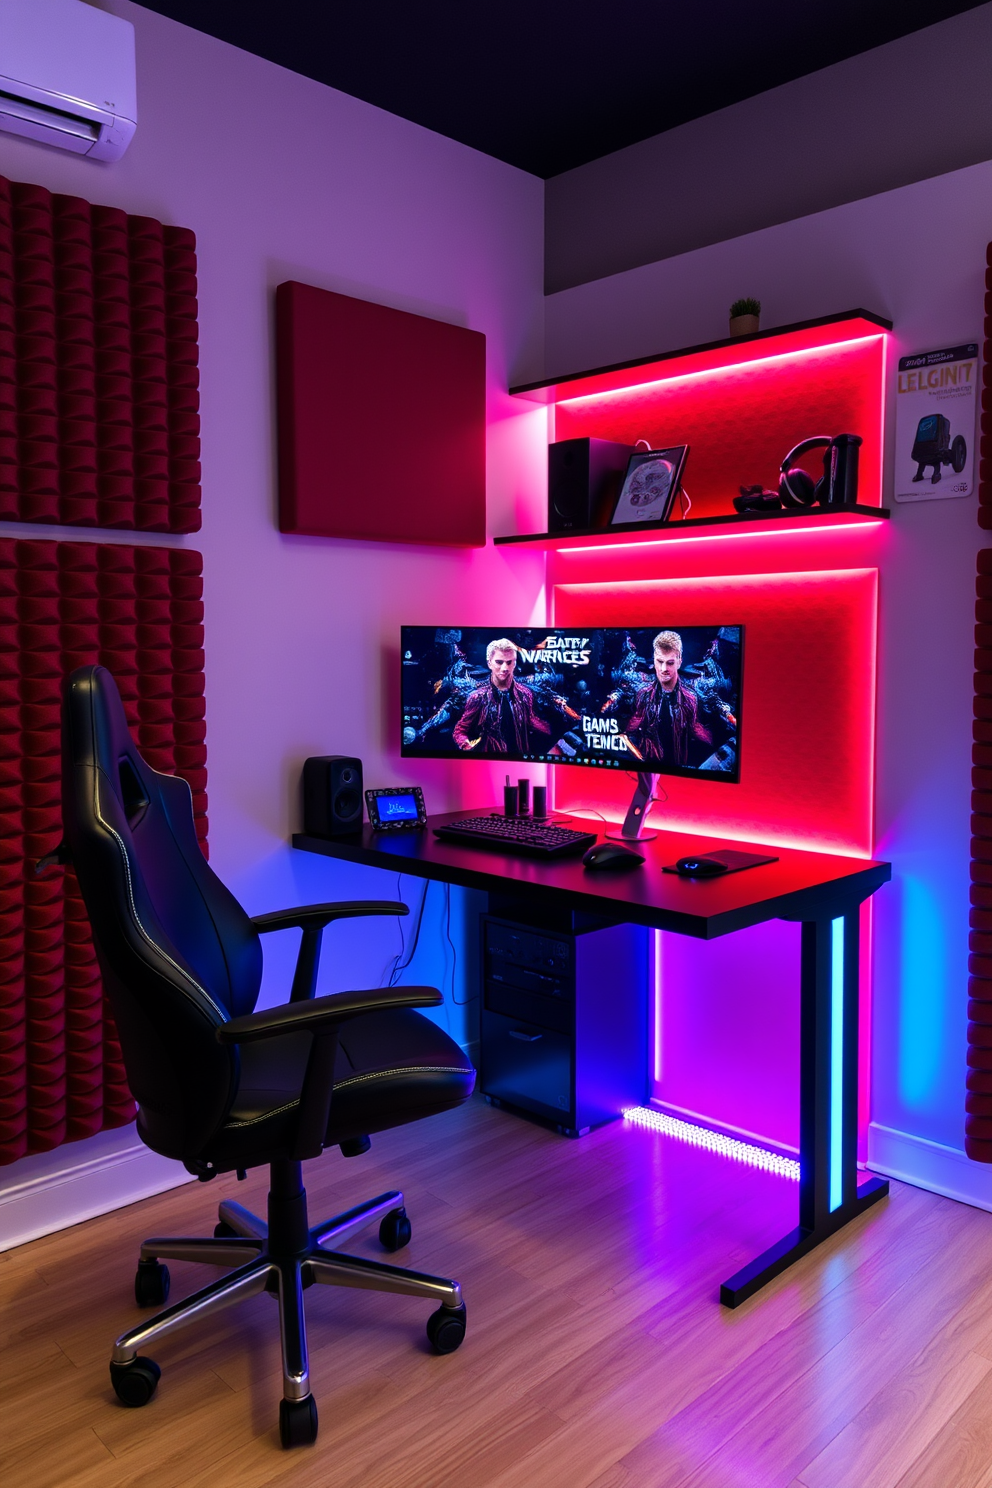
(564,1021)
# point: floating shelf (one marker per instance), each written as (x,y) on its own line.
(726,526)
(740,404)
(805,335)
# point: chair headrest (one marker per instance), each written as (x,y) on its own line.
(96,728)
(97,737)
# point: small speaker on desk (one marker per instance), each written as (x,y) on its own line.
(584,478)
(332,795)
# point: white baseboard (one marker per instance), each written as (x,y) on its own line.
(942,1170)
(53,1190)
(79,1180)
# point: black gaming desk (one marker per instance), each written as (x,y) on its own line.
(821,891)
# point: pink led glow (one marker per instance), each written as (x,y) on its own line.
(707,535)
(807,753)
(726,370)
(741,417)
(656,1014)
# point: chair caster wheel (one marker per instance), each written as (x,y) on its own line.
(395,1230)
(446,1329)
(223,1231)
(134,1383)
(151,1284)
(298,1422)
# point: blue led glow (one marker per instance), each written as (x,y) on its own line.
(836,1062)
(927,971)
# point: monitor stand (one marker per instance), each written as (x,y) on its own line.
(637,812)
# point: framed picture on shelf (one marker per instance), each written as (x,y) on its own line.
(650,486)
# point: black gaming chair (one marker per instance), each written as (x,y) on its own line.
(223,1088)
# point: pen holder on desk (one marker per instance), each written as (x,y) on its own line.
(511,800)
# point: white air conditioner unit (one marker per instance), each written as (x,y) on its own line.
(67,76)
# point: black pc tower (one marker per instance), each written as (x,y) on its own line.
(563,1034)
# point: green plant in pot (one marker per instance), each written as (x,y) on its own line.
(744,317)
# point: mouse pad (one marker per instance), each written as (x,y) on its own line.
(735,861)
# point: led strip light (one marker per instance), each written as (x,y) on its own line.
(701,1136)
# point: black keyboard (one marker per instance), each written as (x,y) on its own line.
(517,834)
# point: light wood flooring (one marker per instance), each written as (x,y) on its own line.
(597,1355)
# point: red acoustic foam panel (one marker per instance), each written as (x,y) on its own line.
(741,420)
(138,611)
(807,709)
(382,422)
(99,400)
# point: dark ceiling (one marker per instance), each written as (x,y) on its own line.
(550,84)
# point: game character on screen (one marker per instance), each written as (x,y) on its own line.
(665,721)
(499,716)
(713,688)
(458,682)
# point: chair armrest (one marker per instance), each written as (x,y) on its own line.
(316,916)
(322,1014)
(312,918)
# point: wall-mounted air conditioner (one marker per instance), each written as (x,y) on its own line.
(67,76)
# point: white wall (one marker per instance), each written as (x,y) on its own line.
(917,256)
(281,177)
(916,107)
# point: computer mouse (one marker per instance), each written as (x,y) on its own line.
(700,867)
(611,855)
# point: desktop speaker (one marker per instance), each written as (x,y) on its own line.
(332,795)
(584,479)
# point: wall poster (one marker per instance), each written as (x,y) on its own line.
(936,405)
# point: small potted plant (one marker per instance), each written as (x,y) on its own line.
(744,317)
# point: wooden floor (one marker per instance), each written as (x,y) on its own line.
(597,1355)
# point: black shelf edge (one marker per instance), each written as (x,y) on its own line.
(727,341)
(660,529)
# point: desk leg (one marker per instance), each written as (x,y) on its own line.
(829,1193)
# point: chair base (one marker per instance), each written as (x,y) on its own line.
(284,1256)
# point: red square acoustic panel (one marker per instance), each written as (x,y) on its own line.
(382,422)
(138,611)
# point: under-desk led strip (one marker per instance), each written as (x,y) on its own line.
(701,1136)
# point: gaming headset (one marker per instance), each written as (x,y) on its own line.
(838,485)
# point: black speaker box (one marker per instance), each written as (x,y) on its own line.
(332,795)
(584,479)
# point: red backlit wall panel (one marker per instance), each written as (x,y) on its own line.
(99,402)
(808,703)
(726,1026)
(382,422)
(740,421)
(727,1050)
(138,611)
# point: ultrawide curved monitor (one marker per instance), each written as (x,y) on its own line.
(664,699)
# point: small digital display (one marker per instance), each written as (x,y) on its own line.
(398,808)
